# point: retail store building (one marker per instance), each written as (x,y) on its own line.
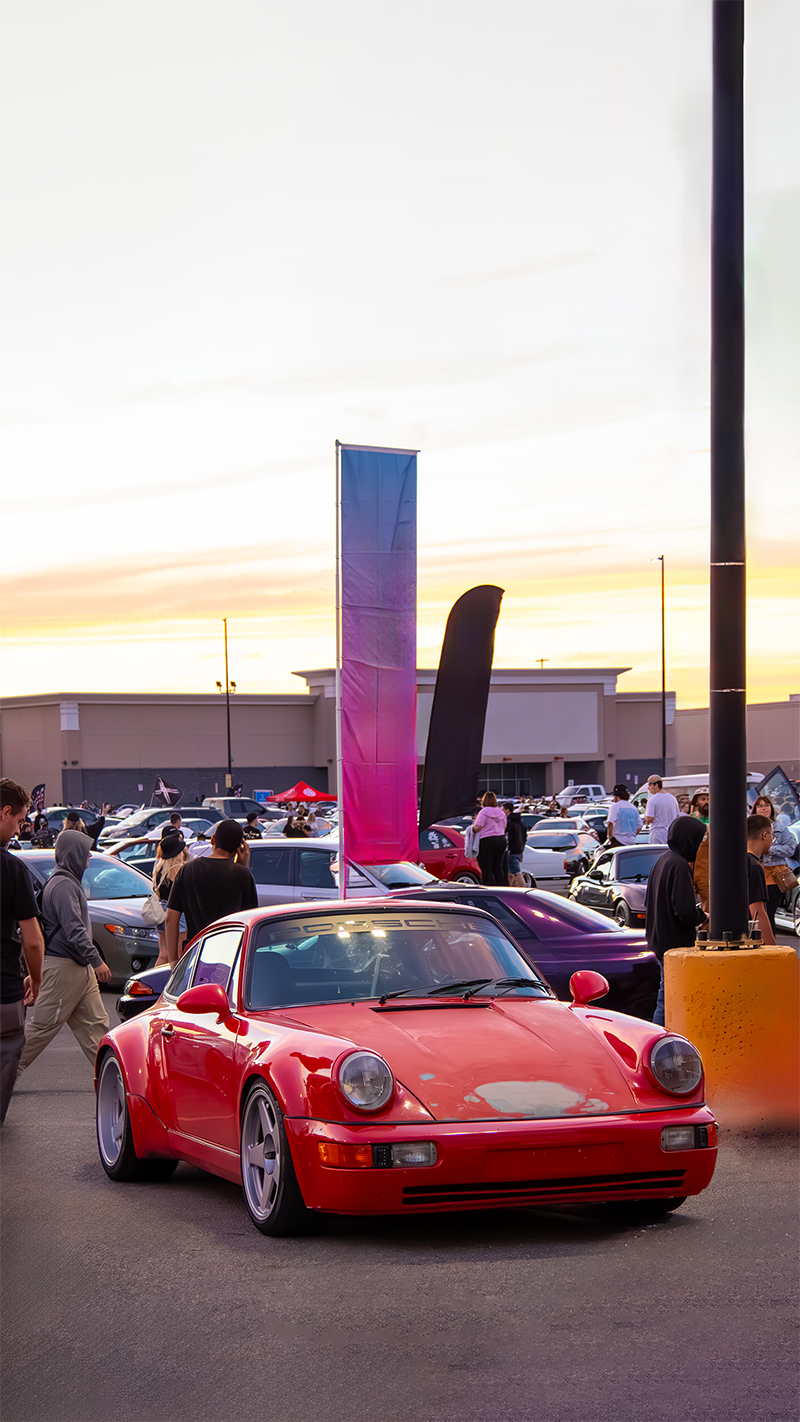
(544,727)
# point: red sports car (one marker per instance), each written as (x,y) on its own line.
(382,1057)
(441,852)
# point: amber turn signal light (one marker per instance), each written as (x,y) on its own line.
(345,1156)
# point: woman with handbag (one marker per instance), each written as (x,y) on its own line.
(171,856)
(780,859)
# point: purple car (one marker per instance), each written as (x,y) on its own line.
(559,936)
(617,882)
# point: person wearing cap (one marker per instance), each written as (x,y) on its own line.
(209,888)
(624,820)
(171,856)
(660,811)
(251,830)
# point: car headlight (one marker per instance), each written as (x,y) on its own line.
(676,1065)
(127,932)
(365,1081)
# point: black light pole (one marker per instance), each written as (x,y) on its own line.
(660,559)
(727,715)
(229,687)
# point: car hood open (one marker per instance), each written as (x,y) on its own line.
(477,1062)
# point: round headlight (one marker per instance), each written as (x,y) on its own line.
(676,1065)
(365,1081)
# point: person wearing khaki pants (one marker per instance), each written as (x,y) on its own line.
(69,996)
(72,965)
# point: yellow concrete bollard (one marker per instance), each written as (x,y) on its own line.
(741,1010)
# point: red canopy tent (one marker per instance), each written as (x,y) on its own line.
(301,791)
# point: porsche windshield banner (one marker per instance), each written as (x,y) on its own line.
(378,596)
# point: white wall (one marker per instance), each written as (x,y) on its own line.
(522,724)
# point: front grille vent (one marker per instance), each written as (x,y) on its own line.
(637,1185)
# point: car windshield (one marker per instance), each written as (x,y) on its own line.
(402,875)
(342,957)
(630,867)
(105,878)
(555,916)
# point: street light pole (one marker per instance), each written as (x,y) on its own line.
(727,693)
(660,559)
(663,673)
(229,687)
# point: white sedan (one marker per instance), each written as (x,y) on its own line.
(547,852)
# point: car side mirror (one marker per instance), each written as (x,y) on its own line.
(584,985)
(208,997)
(594,874)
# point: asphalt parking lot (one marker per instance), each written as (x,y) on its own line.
(159,1303)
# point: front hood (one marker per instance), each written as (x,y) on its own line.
(511,1059)
(124,911)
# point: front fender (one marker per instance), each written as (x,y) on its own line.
(299,1069)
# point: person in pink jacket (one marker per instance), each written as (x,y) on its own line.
(490,824)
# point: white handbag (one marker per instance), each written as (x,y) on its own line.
(152,912)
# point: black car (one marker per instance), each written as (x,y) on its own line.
(616,883)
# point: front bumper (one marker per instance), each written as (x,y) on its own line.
(494,1165)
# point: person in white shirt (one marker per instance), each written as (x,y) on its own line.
(662,808)
(624,820)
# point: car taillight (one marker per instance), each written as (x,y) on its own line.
(138,989)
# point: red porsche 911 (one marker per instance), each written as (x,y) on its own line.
(386,1057)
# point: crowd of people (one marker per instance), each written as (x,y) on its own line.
(50,963)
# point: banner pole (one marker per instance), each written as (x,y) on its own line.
(339,767)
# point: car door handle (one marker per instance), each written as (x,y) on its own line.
(168,1030)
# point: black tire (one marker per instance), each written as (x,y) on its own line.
(276,1207)
(114,1133)
(622,914)
(642,1211)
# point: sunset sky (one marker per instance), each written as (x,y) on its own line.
(235,231)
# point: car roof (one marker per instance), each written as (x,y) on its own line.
(316,907)
(637,848)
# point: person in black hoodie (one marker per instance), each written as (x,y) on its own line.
(671,912)
(517,835)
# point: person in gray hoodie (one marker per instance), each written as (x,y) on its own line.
(672,916)
(72,965)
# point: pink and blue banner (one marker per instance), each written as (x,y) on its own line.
(378,595)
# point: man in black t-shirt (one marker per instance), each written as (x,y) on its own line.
(209,888)
(20,933)
(759,838)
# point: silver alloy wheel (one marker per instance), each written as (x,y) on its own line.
(465,879)
(261,1154)
(111,1110)
(528,879)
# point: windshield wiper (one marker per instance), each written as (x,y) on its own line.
(476,983)
(508,984)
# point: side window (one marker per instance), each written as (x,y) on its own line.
(269,866)
(315,870)
(355,879)
(182,974)
(509,920)
(604,865)
(217,954)
(431,839)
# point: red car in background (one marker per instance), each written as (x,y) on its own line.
(441,852)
